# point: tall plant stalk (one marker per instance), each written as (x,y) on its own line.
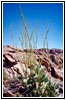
(11,34)
(23,21)
(21,40)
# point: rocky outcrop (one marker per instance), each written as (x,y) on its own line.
(15,62)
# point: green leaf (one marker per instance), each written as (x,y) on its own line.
(39,66)
(43,76)
(49,83)
(52,88)
(46,79)
(33,75)
(20,77)
(47,88)
(43,91)
(51,94)
(56,94)
(32,66)
(39,88)
(57,86)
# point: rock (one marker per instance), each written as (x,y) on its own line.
(56,59)
(9,59)
(15,61)
(6,75)
(52,51)
(55,51)
(4,62)
(59,74)
(9,94)
(43,61)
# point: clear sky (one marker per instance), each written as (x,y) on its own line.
(34,12)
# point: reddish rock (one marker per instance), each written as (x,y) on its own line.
(9,94)
(9,59)
(15,62)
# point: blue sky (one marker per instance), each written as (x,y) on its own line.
(34,12)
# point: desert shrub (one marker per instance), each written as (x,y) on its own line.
(35,79)
(37,83)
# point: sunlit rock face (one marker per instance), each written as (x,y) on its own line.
(15,61)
